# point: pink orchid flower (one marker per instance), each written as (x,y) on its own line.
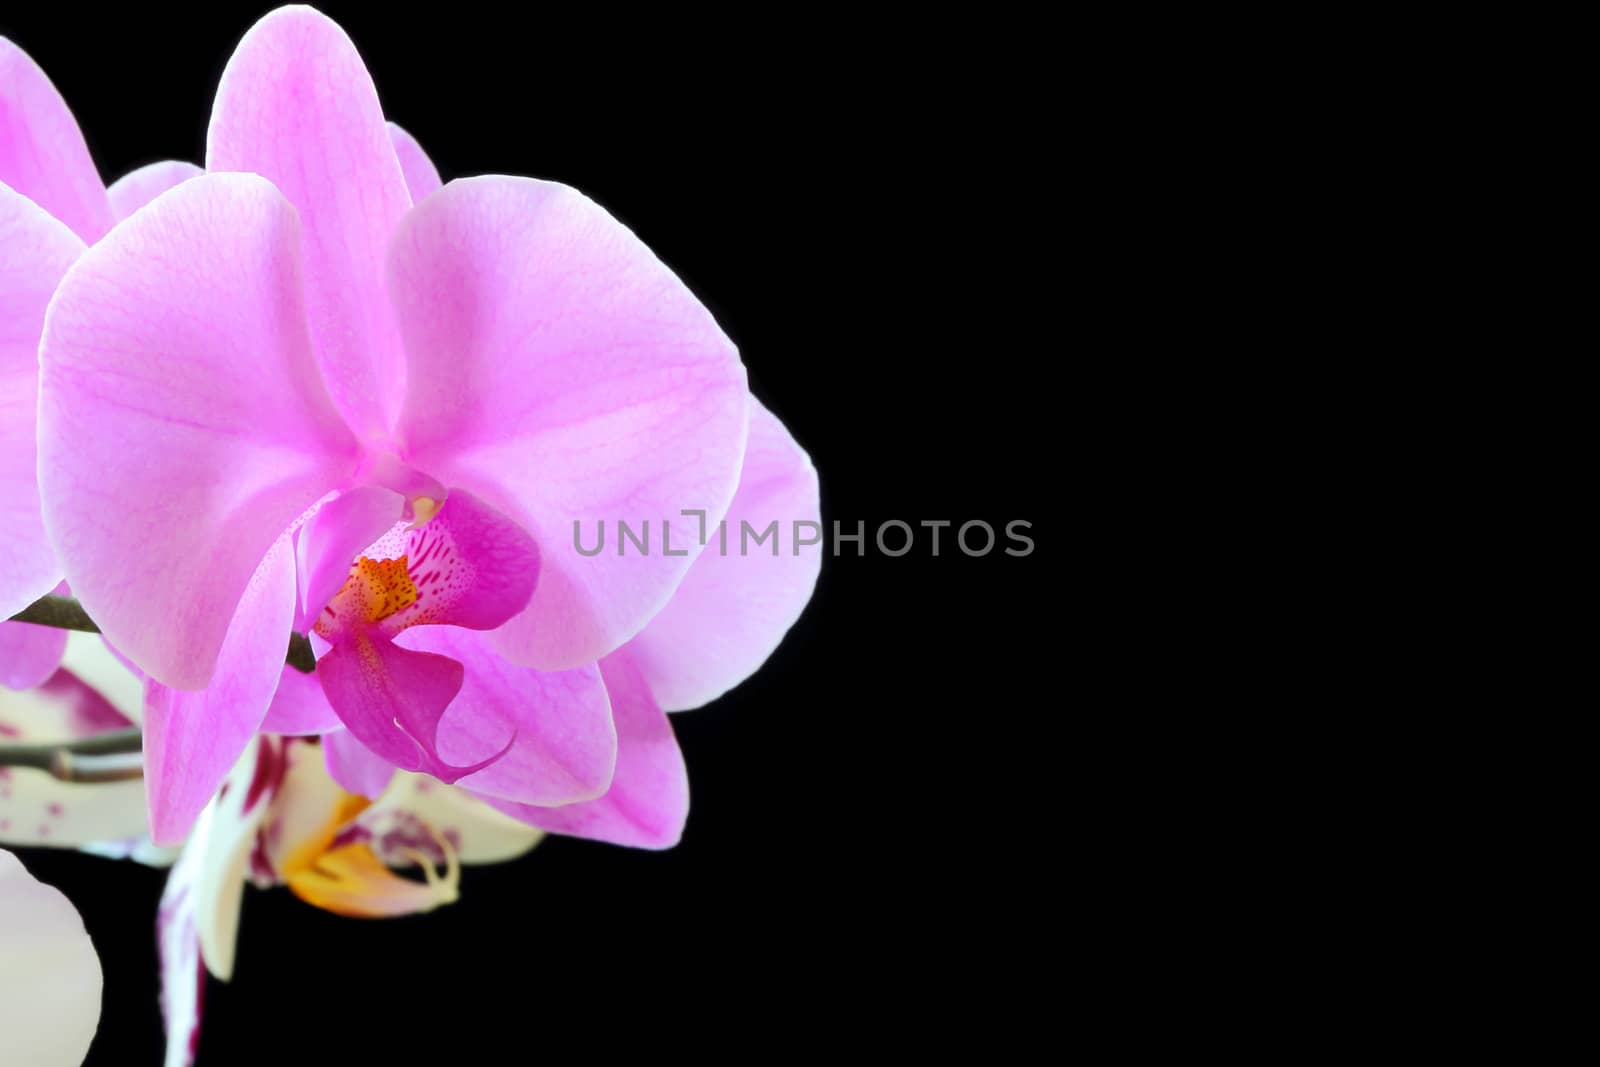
(52,204)
(312,389)
(49,974)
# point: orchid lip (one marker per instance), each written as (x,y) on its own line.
(458,563)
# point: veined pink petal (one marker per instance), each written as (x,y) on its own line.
(391,699)
(354,766)
(191,739)
(50,982)
(565,745)
(36,809)
(471,567)
(332,538)
(35,251)
(297,106)
(422,177)
(29,654)
(42,152)
(733,608)
(648,801)
(183,422)
(137,188)
(299,708)
(564,374)
(466,565)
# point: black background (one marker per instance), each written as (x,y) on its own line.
(873,214)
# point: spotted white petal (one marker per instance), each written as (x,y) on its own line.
(38,810)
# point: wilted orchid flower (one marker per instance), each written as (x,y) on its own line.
(52,203)
(283,395)
(49,974)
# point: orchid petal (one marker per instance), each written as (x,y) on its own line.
(648,801)
(192,738)
(297,106)
(197,924)
(299,707)
(229,836)
(64,708)
(355,766)
(733,608)
(466,565)
(411,814)
(422,177)
(183,974)
(35,251)
(416,807)
(108,674)
(37,811)
(563,373)
(471,566)
(29,654)
(391,699)
(563,745)
(334,536)
(137,188)
(50,983)
(42,152)
(300,808)
(181,411)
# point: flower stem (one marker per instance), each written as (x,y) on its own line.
(62,612)
(114,756)
(65,613)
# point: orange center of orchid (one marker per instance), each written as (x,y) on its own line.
(375,590)
(382,587)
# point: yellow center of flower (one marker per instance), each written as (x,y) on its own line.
(351,879)
(381,586)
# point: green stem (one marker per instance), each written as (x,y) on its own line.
(65,613)
(109,757)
